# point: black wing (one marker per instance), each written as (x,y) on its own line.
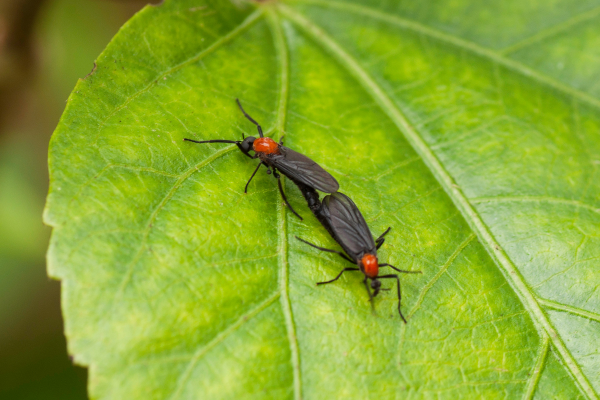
(347,225)
(301,168)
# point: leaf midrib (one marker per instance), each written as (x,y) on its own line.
(286,306)
(507,268)
(283,270)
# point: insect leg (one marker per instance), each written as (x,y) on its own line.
(340,274)
(254,173)
(260,132)
(345,257)
(381,238)
(399,292)
(400,270)
(281,139)
(384,233)
(370,295)
(276,175)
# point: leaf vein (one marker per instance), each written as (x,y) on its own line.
(441,272)
(534,380)
(218,339)
(534,199)
(551,31)
(161,205)
(570,309)
(217,44)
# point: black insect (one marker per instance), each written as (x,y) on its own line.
(303,171)
(342,218)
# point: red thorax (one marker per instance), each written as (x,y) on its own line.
(266,145)
(370,265)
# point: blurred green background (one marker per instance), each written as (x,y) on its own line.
(45,46)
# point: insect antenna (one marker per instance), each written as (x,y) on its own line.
(260,132)
(211,141)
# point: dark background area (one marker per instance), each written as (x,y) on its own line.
(45,46)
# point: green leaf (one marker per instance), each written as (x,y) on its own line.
(470,128)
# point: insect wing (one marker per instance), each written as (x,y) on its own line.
(301,168)
(348,224)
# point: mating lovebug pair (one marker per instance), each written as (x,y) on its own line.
(337,213)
